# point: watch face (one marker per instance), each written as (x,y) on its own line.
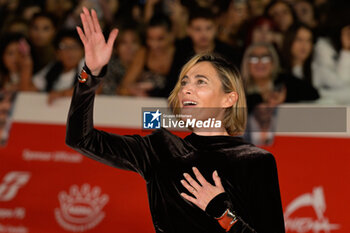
(232,215)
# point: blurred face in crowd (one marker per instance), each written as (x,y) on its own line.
(302,45)
(158,38)
(42,32)
(260,63)
(70,52)
(128,45)
(238,12)
(281,15)
(304,12)
(257,7)
(59,7)
(11,56)
(202,32)
(263,33)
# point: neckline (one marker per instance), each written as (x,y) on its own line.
(214,141)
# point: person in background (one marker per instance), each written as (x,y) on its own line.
(59,79)
(282,14)
(331,60)
(263,30)
(265,83)
(42,32)
(179,15)
(16,25)
(60,9)
(8,11)
(147,74)
(305,12)
(257,7)
(297,52)
(202,38)
(202,31)
(16,61)
(126,47)
(231,23)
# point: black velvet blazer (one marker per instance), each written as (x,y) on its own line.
(248,173)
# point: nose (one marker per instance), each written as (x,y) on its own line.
(187,89)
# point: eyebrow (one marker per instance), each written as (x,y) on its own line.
(260,55)
(197,76)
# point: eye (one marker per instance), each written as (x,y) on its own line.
(183,82)
(201,81)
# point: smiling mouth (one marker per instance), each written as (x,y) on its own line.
(189,103)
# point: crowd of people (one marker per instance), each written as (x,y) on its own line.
(286,50)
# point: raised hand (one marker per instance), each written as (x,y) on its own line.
(97,50)
(204,192)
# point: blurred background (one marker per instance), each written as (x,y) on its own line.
(287,50)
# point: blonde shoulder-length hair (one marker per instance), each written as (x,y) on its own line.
(235,117)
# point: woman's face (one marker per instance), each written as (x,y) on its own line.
(11,57)
(263,34)
(201,87)
(42,32)
(128,46)
(70,52)
(302,45)
(257,6)
(281,15)
(304,12)
(260,63)
(201,94)
(238,12)
(158,38)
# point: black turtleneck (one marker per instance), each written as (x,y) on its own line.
(248,173)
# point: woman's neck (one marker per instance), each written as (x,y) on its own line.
(297,62)
(262,82)
(206,132)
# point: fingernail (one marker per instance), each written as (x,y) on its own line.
(194,168)
(216,173)
(182,181)
(185,174)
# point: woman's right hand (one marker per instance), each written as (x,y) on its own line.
(97,50)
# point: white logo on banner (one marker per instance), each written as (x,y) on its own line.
(16,213)
(13,229)
(316,200)
(11,183)
(81,209)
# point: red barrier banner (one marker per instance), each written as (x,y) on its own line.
(47,187)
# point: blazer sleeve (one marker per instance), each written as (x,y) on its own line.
(128,152)
(264,213)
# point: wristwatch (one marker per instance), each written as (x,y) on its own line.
(227,220)
(83,76)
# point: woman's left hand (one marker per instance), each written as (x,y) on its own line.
(204,192)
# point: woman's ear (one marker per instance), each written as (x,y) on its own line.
(230,99)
